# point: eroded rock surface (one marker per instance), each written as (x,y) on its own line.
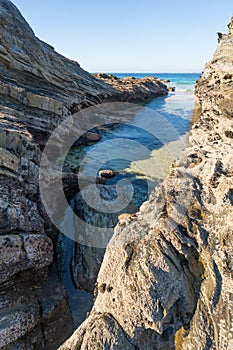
(166,281)
(133,89)
(38,89)
(37,82)
(31,297)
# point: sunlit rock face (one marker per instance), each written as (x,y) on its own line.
(38,89)
(171,287)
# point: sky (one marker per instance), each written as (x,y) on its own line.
(131,35)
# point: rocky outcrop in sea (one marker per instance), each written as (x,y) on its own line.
(133,89)
(172,286)
(38,89)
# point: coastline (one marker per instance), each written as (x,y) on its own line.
(171,286)
(39,89)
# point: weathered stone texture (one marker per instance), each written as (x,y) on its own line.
(166,281)
(38,89)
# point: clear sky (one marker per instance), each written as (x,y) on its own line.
(131,35)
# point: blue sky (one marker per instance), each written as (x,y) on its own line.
(131,35)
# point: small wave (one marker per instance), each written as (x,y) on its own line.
(184,90)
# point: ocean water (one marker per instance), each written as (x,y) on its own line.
(181,81)
(144,170)
(177,107)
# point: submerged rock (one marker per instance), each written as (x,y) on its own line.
(170,285)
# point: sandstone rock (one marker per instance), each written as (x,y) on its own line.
(230,26)
(133,89)
(166,280)
(105,76)
(171,89)
(38,88)
(108,173)
(22,252)
(107,337)
(34,302)
(92,136)
(91,241)
(31,298)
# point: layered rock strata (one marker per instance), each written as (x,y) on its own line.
(38,89)
(133,89)
(166,281)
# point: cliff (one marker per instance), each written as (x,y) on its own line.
(172,287)
(42,84)
(38,89)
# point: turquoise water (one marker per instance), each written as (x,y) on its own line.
(176,108)
(144,173)
(181,81)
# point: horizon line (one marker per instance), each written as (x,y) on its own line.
(108,72)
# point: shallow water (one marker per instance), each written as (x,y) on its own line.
(143,152)
(80,302)
(144,149)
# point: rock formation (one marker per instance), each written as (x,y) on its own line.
(38,89)
(132,89)
(171,287)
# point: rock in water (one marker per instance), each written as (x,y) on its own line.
(92,136)
(171,285)
(133,89)
(108,173)
(38,88)
(171,88)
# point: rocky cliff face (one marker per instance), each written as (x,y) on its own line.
(38,89)
(41,85)
(172,287)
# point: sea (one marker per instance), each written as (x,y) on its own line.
(163,129)
(163,133)
(183,82)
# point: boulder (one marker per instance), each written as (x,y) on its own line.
(92,136)
(108,173)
